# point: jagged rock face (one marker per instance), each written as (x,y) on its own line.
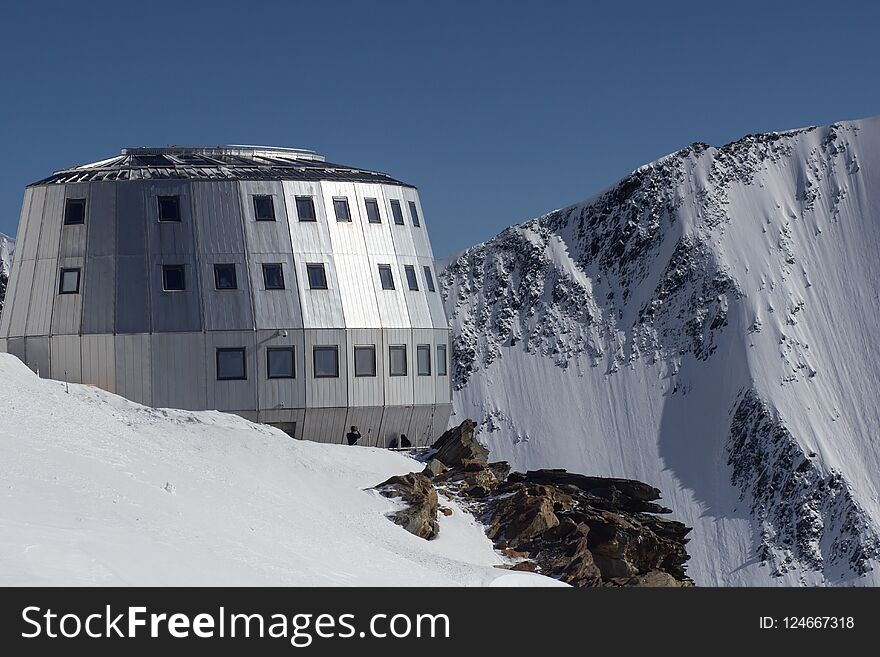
(619,336)
(458,445)
(419,516)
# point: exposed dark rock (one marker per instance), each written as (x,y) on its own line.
(434,468)
(459,444)
(420,515)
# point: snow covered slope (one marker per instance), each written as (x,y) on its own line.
(100,490)
(708,325)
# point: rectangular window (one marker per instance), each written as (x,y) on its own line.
(173,278)
(397,359)
(74,211)
(396,212)
(373,215)
(326,361)
(231,364)
(317,276)
(423,359)
(280,363)
(264,208)
(429,279)
(365,360)
(340,207)
(441,360)
(411,280)
(69,283)
(169,208)
(305,208)
(224,277)
(386,277)
(414,213)
(273,276)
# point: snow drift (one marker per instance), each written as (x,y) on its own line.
(708,325)
(100,490)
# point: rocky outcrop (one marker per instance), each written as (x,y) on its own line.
(419,517)
(586,531)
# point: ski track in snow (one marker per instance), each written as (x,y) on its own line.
(620,336)
(98,490)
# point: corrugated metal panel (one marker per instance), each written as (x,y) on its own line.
(134,367)
(37,355)
(65,358)
(366,390)
(307,236)
(176,310)
(217,209)
(325,392)
(399,389)
(416,300)
(320,308)
(395,421)
(423,386)
(179,370)
(421,426)
(102,220)
(169,237)
(265,236)
(275,395)
(67,309)
(325,425)
(19,306)
(28,236)
(231,395)
(227,309)
(274,309)
(43,292)
(99,361)
(99,295)
(368,420)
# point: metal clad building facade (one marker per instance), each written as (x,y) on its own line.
(265,282)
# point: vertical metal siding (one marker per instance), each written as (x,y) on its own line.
(36,350)
(421,426)
(67,308)
(73,237)
(16,347)
(101,237)
(98,290)
(423,386)
(99,361)
(443,384)
(134,367)
(325,425)
(176,310)
(132,280)
(169,237)
(368,420)
(28,237)
(307,236)
(217,209)
(366,390)
(416,300)
(325,392)
(395,421)
(279,394)
(265,236)
(232,395)
(399,389)
(179,370)
(18,309)
(12,283)
(320,308)
(65,358)
(48,231)
(43,291)
(226,309)
(275,309)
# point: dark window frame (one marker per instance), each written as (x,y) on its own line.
(169,268)
(429,278)
(411,283)
(391,349)
(414,214)
(311,202)
(390,274)
(66,270)
(315,266)
(265,266)
(445,360)
(344,201)
(324,347)
(372,349)
(423,348)
(271,350)
(397,212)
(231,265)
(374,203)
(69,203)
(227,350)
(168,198)
(256,199)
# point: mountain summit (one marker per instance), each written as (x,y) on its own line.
(709,325)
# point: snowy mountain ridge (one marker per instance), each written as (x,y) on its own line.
(705,325)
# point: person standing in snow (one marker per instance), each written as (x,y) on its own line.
(353,436)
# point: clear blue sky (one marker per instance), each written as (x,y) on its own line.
(496,111)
